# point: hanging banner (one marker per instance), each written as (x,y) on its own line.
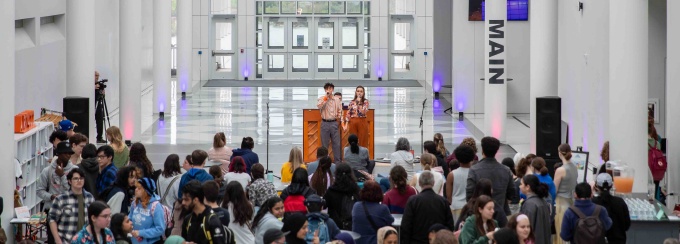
(495,69)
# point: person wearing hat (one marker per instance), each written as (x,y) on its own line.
(67,126)
(148,226)
(274,236)
(53,181)
(616,208)
(345,237)
(296,225)
(314,204)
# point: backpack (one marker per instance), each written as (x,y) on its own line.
(657,162)
(316,223)
(167,215)
(589,229)
(295,203)
(228,233)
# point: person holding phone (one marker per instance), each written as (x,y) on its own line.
(355,118)
(331,112)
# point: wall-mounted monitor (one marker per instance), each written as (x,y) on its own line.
(518,10)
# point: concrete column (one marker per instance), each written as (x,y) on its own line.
(130,70)
(673,101)
(628,67)
(543,57)
(80,51)
(184,45)
(7,116)
(161,56)
(495,69)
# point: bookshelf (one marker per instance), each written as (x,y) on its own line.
(32,149)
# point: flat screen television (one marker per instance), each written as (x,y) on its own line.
(518,10)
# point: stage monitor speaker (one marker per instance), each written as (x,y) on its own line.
(548,126)
(77,109)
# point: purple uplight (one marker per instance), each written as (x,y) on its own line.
(184,87)
(161,108)
(460,106)
(246,73)
(435,103)
(436,85)
(380,73)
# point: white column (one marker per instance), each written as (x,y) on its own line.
(80,51)
(161,56)
(7,116)
(628,52)
(130,70)
(543,57)
(673,101)
(184,46)
(495,69)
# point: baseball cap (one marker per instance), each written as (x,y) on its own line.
(64,147)
(314,199)
(272,235)
(604,178)
(65,125)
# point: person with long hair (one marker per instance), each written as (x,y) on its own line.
(470,142)
(298,186)
(297,226)
(402,156)
(220,152)
(121,152)
(259,189)
(121,226)
(216,172)
(238,172)
(616,208)
(240,211)
(441,147)
(388,235)
(368,215)
(483,187)
(96,231)
(479,228)
(565,182)
(322,179)
(139,159)
(427,162)
(120,194)
(267,218)
(356,116)
(355,155)
(148,226)
(395,199)
(538,168)
(341,196)
(168,181)
(295,161)
(537,208)
(654,141)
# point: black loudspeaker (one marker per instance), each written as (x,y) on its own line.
(77,109)
(548,126)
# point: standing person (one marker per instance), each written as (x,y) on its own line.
(320,153)
(402,156)
(341,196)
(565,183)
(322,179)
(139,159)
(295,161)
(368,215)
(456,181)
(331,112)
(202,225)
(67,126)
(146,213)
(96,231)
(427,162)
(121,152)
(490,168)
(537,208)
(441,147)
(480,227)
(240,212)
(538,168)
(616,208)
(470,142)
(56,137)
(211,197)
(53,179)
(119,195)
(267,218)
(90,166)
(69,210)
(357,156)
(78,142)
(99,94)
(108,171)
(431,148)
(424,210)
(220,152)
(356,116)
(259,190)
(583,207)
(246,152)
(237,172)
(168,181)
(121,226)
(196,172)
(395,199)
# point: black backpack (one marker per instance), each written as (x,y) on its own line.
(589,229)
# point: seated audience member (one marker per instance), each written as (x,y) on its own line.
(297,191)
(237,172)
(274,236)
(220,152)
(294,162)
(357,156)
(388,235)
(316,219)
(476,231)
(433,231)
(616,208)
(260,189)
(402,156)
(296,226)
(267,218)
(368,215)
(444,237)
(322,179)
(197,171)
(456,181)
(431,148)
(341,196)
(395,199)
(320,153)
(427,162)
(216,172)
(583,207)
(424,210)
(246,152)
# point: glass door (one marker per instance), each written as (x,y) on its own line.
(351,48)
(402,47)
(326,48)
(275,51)
(300,48)
(223,42)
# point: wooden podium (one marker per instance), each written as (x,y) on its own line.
(311,133)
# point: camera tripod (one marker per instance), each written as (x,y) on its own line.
(100,102)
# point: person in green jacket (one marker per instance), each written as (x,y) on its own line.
(479,228)
(121,152)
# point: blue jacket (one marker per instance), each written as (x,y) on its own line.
(570,218)
(193,174)
(333,229)
(151,226)
(380,214)
(248,156)
(106,178)
(551,187)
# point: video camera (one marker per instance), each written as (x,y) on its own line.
(102,84)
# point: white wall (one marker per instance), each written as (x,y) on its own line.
(201,35)
(468,62)
(107,58)
(657,59)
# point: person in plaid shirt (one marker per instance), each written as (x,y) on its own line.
(68,214)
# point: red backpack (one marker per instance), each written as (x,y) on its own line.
(295,203)
(657,162)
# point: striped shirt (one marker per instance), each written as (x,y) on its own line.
(64,212)
(330,108)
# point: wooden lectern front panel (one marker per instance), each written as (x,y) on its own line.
(311,130)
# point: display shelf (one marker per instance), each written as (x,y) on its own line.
(33,150)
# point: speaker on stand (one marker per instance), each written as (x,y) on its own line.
(77,109)
(548,129)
